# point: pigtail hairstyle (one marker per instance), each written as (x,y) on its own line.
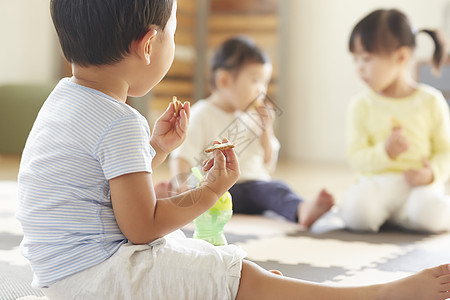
(386,30)
(439,54)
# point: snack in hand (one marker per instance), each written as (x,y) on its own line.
(176,104)
(396,123)
(223,146)
(256,103)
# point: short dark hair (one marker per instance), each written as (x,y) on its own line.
(99,32)
(386,30)
(234,53)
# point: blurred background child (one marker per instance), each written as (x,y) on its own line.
(239,110)
(398,131)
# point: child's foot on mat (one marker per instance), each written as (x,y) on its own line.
(433,283)
(310,211)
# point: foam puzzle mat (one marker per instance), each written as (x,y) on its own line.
(326,253)
(335,255)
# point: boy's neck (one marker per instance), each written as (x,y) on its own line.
(102,78)
(220,102)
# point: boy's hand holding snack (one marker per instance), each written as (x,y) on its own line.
(266,113)
(170,128)
(222,171)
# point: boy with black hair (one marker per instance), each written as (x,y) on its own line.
(94,227)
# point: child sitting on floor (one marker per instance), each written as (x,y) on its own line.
(240,73)
(93,227)
(398,132)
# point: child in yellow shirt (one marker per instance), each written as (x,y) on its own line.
(398,132)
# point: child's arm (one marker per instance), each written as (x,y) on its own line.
(266,142)
(418,177)
(169,131)
(436,167)
(142,218)
(396,143)
(363,154)
(267,116)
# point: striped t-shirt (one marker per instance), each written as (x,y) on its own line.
(80,140)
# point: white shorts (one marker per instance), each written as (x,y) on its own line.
(173,267)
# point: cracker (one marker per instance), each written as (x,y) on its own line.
(176,104)
(396,123)
(221,147)
(256,103)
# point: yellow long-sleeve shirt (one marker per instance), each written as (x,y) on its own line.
(425,119)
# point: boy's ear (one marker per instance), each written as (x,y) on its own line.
(223,79)
(144,46)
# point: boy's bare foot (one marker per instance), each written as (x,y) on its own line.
(309,212)
(431,283)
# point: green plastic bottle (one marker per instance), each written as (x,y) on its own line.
(209,225)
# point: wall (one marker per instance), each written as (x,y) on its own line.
(28,42)
(319,76)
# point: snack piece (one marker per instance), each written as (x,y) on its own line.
(176,104)
(220,147)
(256,103)
(396,123)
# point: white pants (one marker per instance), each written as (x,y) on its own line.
(173,267)
(372,201)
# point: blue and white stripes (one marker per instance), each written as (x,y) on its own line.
(80,139)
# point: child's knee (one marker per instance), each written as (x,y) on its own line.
(422,222)
(431,215)
(362,209)
(359,216)
(362,222)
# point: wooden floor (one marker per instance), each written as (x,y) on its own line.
(305,178)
